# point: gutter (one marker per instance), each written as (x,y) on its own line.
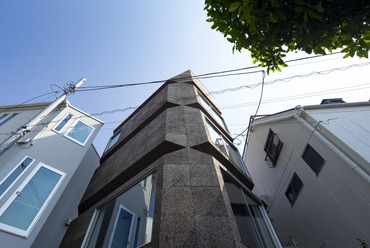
(300,118)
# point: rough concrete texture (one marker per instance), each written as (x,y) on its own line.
(192,207)
(182,93)
(189,78)
(193,211)
(149,137)
(77,230)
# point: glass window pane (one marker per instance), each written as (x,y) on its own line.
(126,220)
(225,147)
(313,159)
(30,199)
(204,103)
(251,224)
(63,122)
(80,132)
(2,116)
(8,117)
(122,229)
(242,216)
(216,138)
(294,188)
(211,111)
(233,155)
(113,141)
(14,175)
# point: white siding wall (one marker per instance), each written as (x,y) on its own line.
(332,208)
(17,121)
(57,151)
(351,125)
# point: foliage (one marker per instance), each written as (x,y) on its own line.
(271,28)
(363,244)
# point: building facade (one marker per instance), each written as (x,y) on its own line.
(44,173)
(311,166)
(171,177)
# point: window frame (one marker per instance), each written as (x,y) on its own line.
(92,228)
(18,177)
(272,149)
(110,145)
(294,177)
(226,143)
(310,163)
(70,128)
(64,117)
(25,233)
(132,226)
(211,111)
(247,204)
(6,117)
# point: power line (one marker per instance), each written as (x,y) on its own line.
(234,89)
(224,73)
(258,106)
(18,105)
(292,97)
(287,79)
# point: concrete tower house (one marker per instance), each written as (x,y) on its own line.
(171,177)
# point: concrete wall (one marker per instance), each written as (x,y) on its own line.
(168,134)
(332,207)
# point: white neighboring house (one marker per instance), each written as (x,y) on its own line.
(44,174)
(311,166)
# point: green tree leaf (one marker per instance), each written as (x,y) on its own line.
(270,29)
(234,6)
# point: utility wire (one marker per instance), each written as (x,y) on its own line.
(299,96)
(93,88)
(287,79)
(18,105)
(224,73)
(232,89)
(201,76)
(258,107)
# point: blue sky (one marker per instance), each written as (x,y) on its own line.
(118,42)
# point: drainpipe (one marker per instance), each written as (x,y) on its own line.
(35,120)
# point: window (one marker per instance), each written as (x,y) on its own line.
(253,224)
(63,122)
(143,183)
(313,159)
(211,111)
(79,132)
(113,140)
(272,148)
(294,188)
(6,117)
(225,146)
(124,228)
(332,101)
(126,221)
(10,179)
(20,213)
